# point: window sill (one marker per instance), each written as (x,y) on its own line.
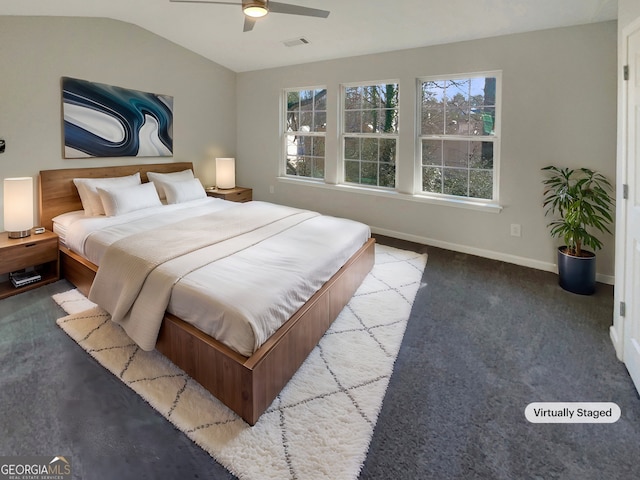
(392,194)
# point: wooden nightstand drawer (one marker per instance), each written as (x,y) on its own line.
(26,254)
(36,252)
(237,194)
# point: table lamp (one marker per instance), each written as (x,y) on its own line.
(18,206)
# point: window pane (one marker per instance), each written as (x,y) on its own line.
(481,184)
(304,146)
(352,171)
(482,122)
(457,107)
(369,173)
(388,122)
(455,182)
(457,89)
(352,148)
(369,149)
(305,168)
(352,98)
(481,155)
(484,87)
(389,96)
(387,175)
(431,152)
(318,168)
(300,166)
(369,121)
(306,100)
(320,122)
(456,153)
(458,125)
(318,146)
(306,119)
(433,121)
(388,150)
(488,116)
(432,180)
(292,145)
(291,165)
(352,121)
(483,100)
(320,99)
(293,100)
(370,97)
(433,94)
(293,121)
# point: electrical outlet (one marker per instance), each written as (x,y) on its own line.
(516,230)
(271,189)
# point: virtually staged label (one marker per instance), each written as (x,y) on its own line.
(572,412)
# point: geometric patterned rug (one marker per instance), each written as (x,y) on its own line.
(321,424)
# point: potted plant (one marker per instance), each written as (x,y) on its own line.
(580,198)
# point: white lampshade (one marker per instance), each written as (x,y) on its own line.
(225,173)
(18,206)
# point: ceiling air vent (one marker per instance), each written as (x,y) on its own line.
(296,41)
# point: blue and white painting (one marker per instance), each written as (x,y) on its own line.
(105,121)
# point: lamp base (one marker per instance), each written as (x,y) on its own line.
(19,234)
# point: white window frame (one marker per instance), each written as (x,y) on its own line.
(285,146)
(459,200)
(343,135)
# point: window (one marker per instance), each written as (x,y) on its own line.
(458,139)
(370,134)
(305,127)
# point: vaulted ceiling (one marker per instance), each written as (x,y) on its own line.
(354,27)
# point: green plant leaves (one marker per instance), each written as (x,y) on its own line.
(581,200)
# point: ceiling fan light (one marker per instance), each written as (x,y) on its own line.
(255,11)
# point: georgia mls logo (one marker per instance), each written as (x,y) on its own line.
(35,468)
(59,465)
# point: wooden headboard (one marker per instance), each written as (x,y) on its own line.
(58,193)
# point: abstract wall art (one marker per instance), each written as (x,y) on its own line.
(106,121)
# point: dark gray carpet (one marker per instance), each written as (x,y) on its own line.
(485,339)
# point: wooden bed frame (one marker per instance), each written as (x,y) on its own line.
(247,385)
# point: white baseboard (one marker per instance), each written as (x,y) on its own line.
(491,254)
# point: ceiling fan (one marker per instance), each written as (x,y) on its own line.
(254,9)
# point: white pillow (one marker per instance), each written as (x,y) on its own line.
(160,179)
(88,190)
(67,218)
(118,201)
(185,191)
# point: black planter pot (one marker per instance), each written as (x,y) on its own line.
(577,274)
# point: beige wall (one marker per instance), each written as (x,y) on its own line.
(35,52)
(559,106)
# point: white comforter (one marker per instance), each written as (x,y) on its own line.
(243,298)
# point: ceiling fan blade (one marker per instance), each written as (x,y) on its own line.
(277,7)
(205,1)
(249,22)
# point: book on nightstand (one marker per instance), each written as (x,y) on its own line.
(20,279)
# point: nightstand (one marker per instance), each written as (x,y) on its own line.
(38,251)
(237,194)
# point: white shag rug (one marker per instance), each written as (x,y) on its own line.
(320,425)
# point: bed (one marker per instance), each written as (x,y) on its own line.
(247,383)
